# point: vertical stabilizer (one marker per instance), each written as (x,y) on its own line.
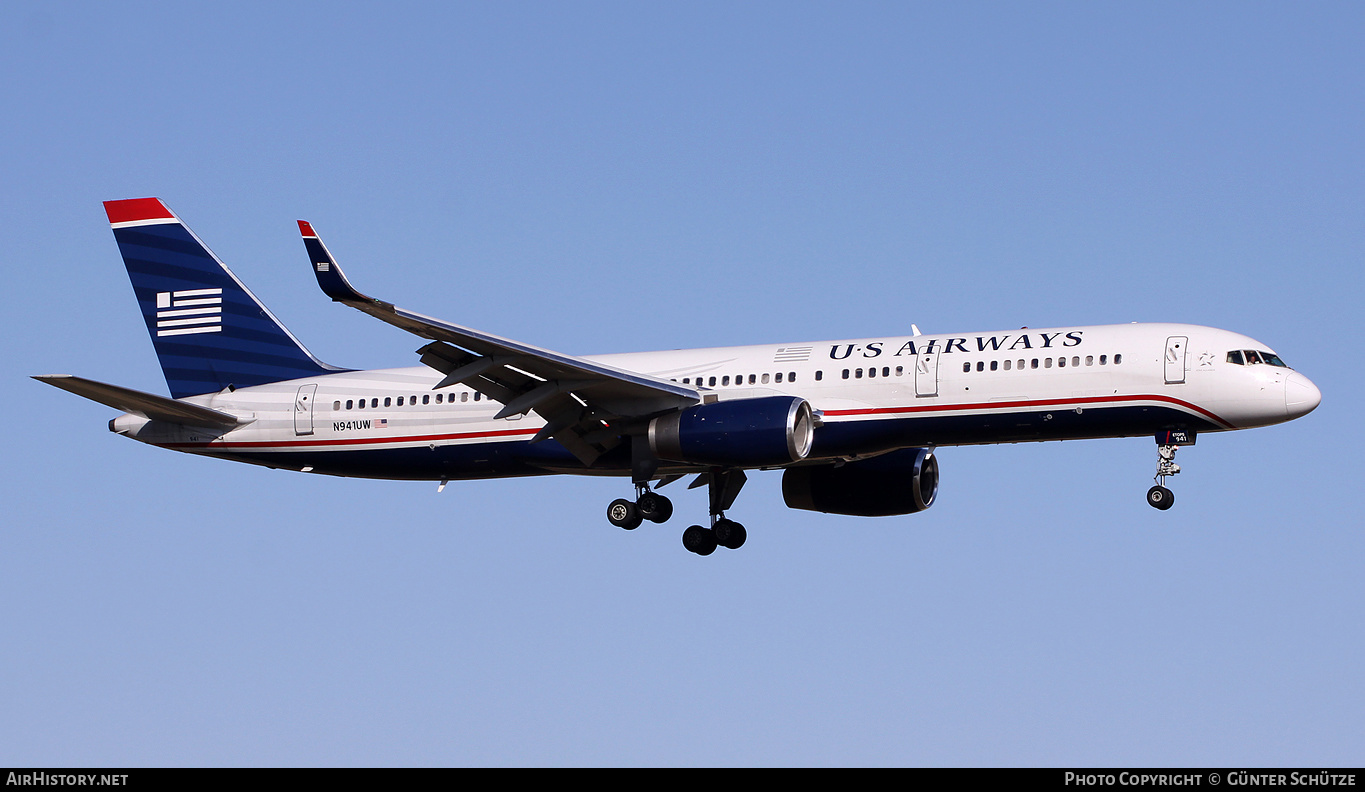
(208,329)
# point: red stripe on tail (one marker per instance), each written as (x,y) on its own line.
(135,209)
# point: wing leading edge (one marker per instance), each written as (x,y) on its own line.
(586,406)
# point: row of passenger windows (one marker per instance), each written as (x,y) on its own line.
(1075,362)
(790,376)
(754,379)
(411,401)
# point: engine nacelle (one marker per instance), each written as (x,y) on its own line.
(773,430)
(901,482)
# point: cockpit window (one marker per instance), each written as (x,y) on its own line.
(1247,357)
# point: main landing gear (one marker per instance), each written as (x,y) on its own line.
(724,486)
(1159,497)
(648,505)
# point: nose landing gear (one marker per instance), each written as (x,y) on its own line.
(1159,497)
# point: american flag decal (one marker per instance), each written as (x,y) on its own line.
(187,312)
(792,354)
(381,423)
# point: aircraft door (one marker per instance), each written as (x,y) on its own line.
(1175,359)
(926,373)
(303,410)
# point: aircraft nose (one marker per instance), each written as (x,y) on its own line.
(1301,396)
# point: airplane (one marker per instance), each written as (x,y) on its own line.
(853,424)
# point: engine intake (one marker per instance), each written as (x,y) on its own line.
(901,482)
(773,430)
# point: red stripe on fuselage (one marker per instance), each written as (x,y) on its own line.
(1004,405)
(354,441)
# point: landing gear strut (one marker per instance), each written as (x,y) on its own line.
(1159,497)
(724,486)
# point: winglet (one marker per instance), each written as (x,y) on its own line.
(330,277)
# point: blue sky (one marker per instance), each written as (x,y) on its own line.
(601,177)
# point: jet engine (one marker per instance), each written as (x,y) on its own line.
(900,482)
(773,430)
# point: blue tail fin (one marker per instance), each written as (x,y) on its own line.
(208,329)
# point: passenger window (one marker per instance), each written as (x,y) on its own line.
(778,378)
(1020,364)
(713,382)
(966,367)
(1033,363)
(1089,360)
(1118,359)
(980,365)
(374,402)
(845,373)
(765,379)
(872,372)
(336,405)
(1047,362)
(791,376)
(900,371)
(1061,362)
(426,398)
(819,375)
(858,373)
(725,380)
(361,405)
(1076,360)
(349,404)
(1007,365)
(1103,359)
(477,395)
(995,364)
(753,378)
(400,401)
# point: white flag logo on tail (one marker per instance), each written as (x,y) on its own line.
(191,311)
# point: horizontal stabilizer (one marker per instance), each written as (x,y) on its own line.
(148,405)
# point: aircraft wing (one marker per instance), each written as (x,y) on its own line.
(148,405)
(581,401)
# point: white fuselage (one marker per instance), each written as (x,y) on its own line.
(872,395)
